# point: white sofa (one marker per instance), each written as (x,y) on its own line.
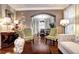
(68,43)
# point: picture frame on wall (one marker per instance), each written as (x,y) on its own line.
(9,14)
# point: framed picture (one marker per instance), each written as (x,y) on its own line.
(8,13)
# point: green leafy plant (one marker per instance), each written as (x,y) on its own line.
(52,25)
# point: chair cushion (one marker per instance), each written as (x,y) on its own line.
(28,38)
(52,37)
(71,47)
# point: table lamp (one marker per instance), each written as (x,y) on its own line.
(6,21)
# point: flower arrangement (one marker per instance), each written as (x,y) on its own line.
(18,26)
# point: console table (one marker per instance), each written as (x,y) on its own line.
(6,39)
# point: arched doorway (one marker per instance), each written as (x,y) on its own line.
(42,21)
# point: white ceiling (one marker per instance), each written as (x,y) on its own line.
(20,7)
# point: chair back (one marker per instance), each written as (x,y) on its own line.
(24,33)
(53,32)
(27,32)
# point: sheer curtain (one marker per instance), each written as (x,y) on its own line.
(34,26)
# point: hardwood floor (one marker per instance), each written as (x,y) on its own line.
(28,49)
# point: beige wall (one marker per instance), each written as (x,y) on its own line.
(28,14)
(0,11)
(77,14)
(77,19)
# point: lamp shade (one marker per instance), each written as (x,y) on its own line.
(1,20)
(64,22)
(16,21)
(6,21)
(6,24)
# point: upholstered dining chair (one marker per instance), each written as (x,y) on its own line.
(27,34)
(52,35)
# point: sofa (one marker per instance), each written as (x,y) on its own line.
(68,43)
